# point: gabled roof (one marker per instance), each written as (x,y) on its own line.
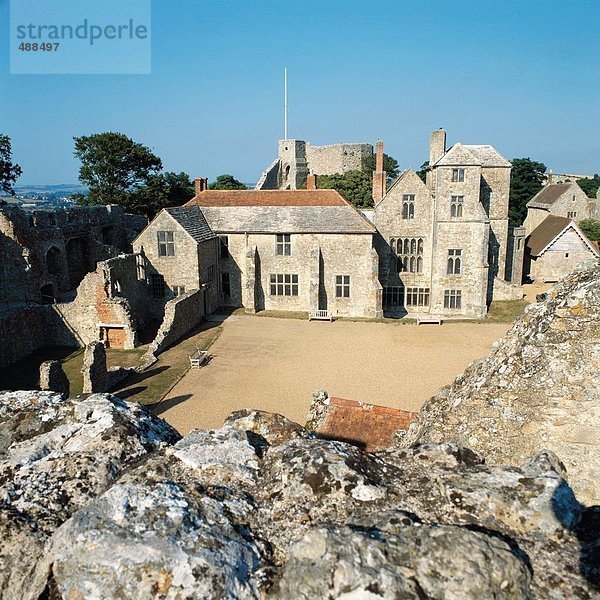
(279,211)
(193,221)
(404,175)
(482,155)
(549,230)
(548,195)
(267,198)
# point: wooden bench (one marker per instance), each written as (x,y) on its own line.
(434,320)
(320,315)
(198,358)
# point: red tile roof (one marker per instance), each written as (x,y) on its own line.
(367,425)
(267,198)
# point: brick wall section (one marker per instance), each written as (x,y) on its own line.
(367,425)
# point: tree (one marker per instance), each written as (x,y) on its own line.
(526,180)
(423,170)
(390,165)
(227,182)
(114,167)
(161,190)
(354,186)
(9,172)
(590,186)
(591,228)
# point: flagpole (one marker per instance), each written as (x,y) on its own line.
(285,105)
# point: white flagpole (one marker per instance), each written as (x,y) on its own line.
(285,105)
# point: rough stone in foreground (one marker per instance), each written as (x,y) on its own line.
(540,388)
(261,509)
(53,378)
(56,456)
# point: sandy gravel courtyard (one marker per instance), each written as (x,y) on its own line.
(275,364)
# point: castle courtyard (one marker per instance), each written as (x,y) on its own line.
(275,364)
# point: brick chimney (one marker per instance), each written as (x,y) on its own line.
(200,184)
(311,182)
(549,179)
(379,175)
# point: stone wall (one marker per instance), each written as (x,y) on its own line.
(182,314)
(337,158)
(24,331)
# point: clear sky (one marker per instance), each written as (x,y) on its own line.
(523,76)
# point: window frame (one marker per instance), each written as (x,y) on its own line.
(453,299)
(157,285)
(454,263)
(178,290)
(343,286)
(408,206)
(283,244)
(224,246)
(393,297)
(457,203)
(283,284)
(458,175)
(225,284)
(417,296)
(166,246)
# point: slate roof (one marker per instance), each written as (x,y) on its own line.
(367,425)
(279,211)
(193,221)
(548,195)
(472,154)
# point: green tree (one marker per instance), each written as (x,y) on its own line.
(9,172)
(161,190)
(591,228)
(114,167)
(390,165)
(526,180)
(354,186)
(227,182)
(590,186)
(423,170)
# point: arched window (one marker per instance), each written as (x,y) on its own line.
(420,246)
(413,264)
(419,265)
(413,246)
(406,245)
(459,210)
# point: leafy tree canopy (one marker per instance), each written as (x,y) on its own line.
(526,180)
(9,172)
(114,167)
(423,170)
(590,186)
(354,186)
(227,182)
(390,165)
(591,228)
(163,189)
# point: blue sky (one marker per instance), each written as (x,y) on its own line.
(522,76)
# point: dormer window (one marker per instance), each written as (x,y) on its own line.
(458,175)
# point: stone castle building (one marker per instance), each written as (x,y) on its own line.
(444,244)
(297,159)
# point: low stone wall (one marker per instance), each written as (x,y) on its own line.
(24,331)
(96,377)
(182,314)
(504,290)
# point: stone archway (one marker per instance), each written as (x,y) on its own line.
(54,261)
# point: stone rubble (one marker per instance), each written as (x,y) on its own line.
(101,499)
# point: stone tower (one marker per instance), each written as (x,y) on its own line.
(294,167)
(379,175)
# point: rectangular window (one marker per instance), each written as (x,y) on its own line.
(166,243)
(284,244)
(225,284)
(224,240)
(417,296)
(284,284)
(140,267)
(408,206)
(393,296)
(571,214)
(454,262)
(458,174)
(452,298)
(456,206)
(178,290)
(342,286)
(157,283)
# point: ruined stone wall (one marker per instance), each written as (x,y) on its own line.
(182,314)
(337,158)
(269,179)
(24,331)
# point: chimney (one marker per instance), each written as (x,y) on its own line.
(549,179)
(437,145)
(311,182)
(379,175)
(200,184)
